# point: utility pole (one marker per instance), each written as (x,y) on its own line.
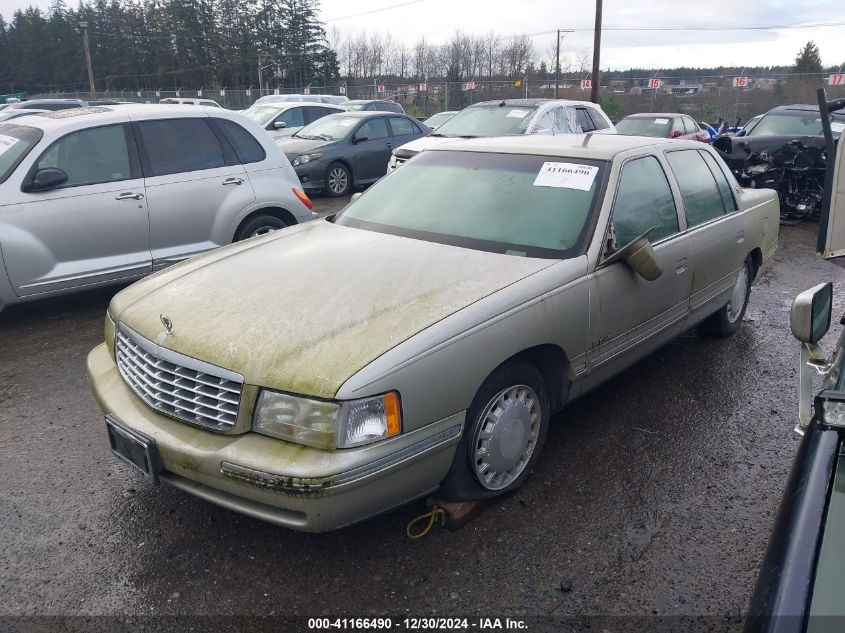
(594,91)
(557,61)
(84,27)
(260,81)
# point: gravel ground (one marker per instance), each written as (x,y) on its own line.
(655,494)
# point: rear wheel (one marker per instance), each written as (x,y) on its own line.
(726,321)
(338,180)
(506,429)
(259,225)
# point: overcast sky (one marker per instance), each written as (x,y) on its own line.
(438,20)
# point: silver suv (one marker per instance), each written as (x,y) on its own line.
(93,196)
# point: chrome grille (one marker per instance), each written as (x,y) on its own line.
(178,385)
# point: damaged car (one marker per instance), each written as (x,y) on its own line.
(421,339)
(785,151)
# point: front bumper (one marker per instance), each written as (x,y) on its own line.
(284,483)
(311,175)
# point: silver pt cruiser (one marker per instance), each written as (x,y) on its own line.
(421,339)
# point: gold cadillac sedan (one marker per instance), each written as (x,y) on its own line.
(421,339)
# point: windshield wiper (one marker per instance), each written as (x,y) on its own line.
(305,136)
(325,137)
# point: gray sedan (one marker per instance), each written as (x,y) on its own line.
(342,151)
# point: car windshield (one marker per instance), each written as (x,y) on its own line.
(438,119)
(645,126)
(356,107)
(15,143)
(493,120)
(515,204)
(795,123)
(262,114)
(330,128)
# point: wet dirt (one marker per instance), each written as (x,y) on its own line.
(655,494)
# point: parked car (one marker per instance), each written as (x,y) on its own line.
(333,99)
(211,103)
(799,586)
(8,115)
(436,120)
(446,330)
(748,127)
(373,105)
(510,117)
(662,125)
(47,104)
(284,118)
(111,194)
(342,151)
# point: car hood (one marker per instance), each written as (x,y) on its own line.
(304,309)
(294,147)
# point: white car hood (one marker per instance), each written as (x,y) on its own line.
(427,142)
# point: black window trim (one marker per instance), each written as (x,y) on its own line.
(681,231)
(135,171)
(229,158)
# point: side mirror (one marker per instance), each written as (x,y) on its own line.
(48,178)
(811,312)
(639,255)
(675,134)
(278,125)
(360,137)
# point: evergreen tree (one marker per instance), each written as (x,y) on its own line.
(808,59)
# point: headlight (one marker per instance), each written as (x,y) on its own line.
(325,424)
(306,158)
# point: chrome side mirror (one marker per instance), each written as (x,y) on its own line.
(639,255)
(279,125)
(809,320)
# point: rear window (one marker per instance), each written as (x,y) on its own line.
(488,121)
(513,204)
(246,147)
(175,146)
(657,127)
(15,143)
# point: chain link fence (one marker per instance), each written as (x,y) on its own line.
(707,98)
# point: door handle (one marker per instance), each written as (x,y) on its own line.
(740,237)
(390,145)
(680,266)
(129,195)
(233,181)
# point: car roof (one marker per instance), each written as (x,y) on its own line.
(356,101)
(530,103)
(103,115)
(358,114)
(596,146)
(800,107)
(649,115)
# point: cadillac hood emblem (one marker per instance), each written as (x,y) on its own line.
(167,323)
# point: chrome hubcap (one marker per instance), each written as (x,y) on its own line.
(506,437)
(737,299)
(338,180)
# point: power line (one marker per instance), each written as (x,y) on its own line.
(760,27)
(371,11)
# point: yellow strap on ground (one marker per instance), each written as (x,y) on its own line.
(435,515)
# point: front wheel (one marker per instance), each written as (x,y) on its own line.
(726,321)
(506,428)
(338,180)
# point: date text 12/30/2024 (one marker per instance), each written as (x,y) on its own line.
(417,624)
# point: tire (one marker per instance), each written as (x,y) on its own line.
(492,459)
(259,225)
(728,319)
(337,181)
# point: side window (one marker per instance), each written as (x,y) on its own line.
(395,107)
(374,128)
(644,202)
(99,154)
(246,147)
(312,113)
(545,124)
(721,182)
(175,146)
(584,121)
(402,126)
(598,120)
(701,196)
(689,125)
(678,125)
(292,117)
